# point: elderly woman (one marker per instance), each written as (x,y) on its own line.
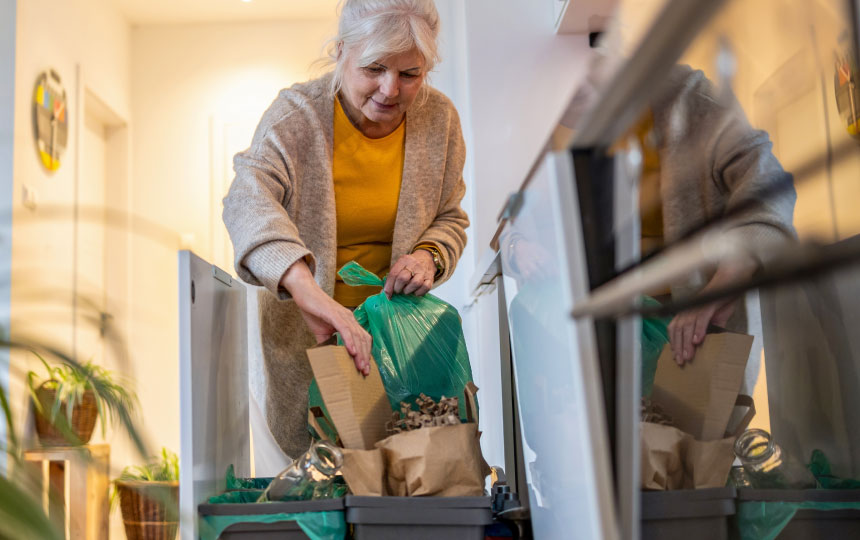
(364,163)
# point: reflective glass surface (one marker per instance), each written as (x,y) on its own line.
(555,366)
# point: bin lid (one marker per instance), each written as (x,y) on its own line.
(799,495)
(355,501)
(681,495)
(688,503)
(290,507)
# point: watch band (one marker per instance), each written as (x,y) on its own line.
(437,259)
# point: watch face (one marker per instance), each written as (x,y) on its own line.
(50,119)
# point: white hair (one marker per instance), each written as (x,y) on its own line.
(374,29)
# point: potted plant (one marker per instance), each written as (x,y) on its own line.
(149,498)
(70,398)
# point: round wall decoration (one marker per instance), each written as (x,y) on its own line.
(50,119)
(845,84)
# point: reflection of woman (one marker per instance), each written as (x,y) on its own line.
(702,160)
(365,164)
(707,161)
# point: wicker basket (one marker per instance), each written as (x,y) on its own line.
(150,510)
(84,416)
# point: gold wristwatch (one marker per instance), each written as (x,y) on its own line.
(437,260)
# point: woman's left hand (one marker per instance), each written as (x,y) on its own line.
(411,274)
(687,330)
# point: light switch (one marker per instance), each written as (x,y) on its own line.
(29,197)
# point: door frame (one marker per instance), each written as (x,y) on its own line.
(8,24)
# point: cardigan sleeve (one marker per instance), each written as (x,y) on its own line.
(448,230)
(760,192)
(265,239)
(744,182)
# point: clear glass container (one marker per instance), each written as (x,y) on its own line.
(311,476)
(767,466)
(738,477)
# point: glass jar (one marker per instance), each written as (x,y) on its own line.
(738,477)
(311,476)
(767,466)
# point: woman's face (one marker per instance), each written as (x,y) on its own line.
(382,91)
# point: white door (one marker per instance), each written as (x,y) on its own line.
(89,297)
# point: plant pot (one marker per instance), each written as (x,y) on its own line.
(84,416)
(150,510)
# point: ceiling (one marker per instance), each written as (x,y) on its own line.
(141,12)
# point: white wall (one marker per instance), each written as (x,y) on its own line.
(198,92)
(49,36)
(7,122)
(450,76)
(519,76)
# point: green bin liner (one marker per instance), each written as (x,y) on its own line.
(764,520)
(317,525)
(234,483)
(418,345)
(655,335)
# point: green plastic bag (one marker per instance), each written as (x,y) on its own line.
(764,520)
(655,335)
(234,483)
(316,525)
(418,344)
(330,525)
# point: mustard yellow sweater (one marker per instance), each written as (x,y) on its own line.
(367,175)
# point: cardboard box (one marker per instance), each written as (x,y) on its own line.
(699,398)
(430,461)
(358,405)
(700,395)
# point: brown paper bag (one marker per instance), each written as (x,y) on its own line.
(661,456)
(442,461)
(364,471)
(672,459)
(707,463)
(700,396)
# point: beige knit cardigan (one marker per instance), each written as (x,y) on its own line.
(281,208)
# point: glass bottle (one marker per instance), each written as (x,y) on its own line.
(767,466)
(310,476)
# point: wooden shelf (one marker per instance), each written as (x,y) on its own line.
(82,475)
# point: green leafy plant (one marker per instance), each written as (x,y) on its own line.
(163,469)
(21,502)
(21,513)
(152,491)
(71,382)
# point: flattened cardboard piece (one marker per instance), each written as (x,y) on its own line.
(470,401)
(315,414)
(700,396)
(358,405)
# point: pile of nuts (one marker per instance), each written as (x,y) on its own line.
(429,414)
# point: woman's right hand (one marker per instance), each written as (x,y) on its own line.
(324,316)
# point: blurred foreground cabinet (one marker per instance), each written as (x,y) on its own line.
(567,265)
(81,475)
